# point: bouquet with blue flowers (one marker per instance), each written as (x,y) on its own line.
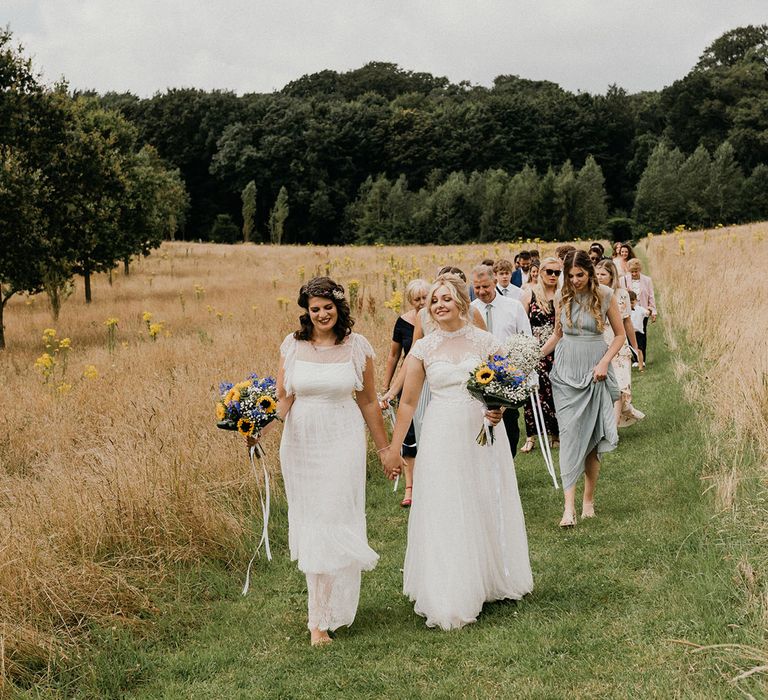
(505,379)
(248,406)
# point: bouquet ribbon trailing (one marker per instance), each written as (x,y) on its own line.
(390,413)
(541,432)
(264,497)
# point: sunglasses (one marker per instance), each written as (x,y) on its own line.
(556,273)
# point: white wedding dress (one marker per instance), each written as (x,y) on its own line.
(466,532)
(323,457)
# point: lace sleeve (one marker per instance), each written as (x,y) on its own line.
(417,350)
(288,352)
(361,351)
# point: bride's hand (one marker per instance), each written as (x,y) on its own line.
(493,416)
(251,440)
(391,461)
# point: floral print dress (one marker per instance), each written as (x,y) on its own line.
(542,317)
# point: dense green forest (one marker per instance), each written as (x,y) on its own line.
(383,153)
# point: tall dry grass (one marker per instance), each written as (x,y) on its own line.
(108,482)
(715,286)
(715,298)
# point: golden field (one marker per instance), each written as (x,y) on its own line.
(715,294)
(112,469)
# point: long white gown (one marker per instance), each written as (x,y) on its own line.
(466,532)
(322,457)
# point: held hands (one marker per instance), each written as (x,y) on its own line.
(494,416)
(391,461)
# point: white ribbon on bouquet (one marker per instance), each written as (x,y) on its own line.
(257,451)
(390,413)
(541,431)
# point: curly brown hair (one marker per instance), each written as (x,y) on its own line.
(579,258)
(326,288)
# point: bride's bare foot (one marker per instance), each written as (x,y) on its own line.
(568,520)
(588,510)
(319,637)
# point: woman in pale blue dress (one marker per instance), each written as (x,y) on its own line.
(584,387)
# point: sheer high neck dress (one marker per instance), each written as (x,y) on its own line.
(467,543)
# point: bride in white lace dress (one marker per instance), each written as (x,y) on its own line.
(466,533)
(325,395)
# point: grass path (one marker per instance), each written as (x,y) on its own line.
(610,597)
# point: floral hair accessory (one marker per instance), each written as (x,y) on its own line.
(337,294)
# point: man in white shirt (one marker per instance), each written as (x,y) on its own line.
(503,317)
(502,270)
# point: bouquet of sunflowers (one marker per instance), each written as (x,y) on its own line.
(248,406)
(505,379)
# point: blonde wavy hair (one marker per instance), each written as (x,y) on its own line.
(458,289)
(538,289)
(580,258)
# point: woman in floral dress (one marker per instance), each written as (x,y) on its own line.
(539,304)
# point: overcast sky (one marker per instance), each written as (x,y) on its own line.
(146,46)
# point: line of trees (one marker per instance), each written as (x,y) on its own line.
(486,206)
(78,192)
(323,135)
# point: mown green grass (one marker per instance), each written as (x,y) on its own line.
(613,600)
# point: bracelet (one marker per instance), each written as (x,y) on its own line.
(383,448)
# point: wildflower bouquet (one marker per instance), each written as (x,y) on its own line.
(248,406)
(505,379)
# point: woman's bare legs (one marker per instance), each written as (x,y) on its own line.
(591,473)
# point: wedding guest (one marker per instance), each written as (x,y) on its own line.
(326,396)
(626,413)
(639,314)
(504,317)
(642,286)
(503,271)
(535,257)
(402,338)
(561,251)
(520,275)
(595,253)
(540,307)
(533,275)
(583,381)
(466,531)
(625,255)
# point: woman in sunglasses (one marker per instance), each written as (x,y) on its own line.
(539,303)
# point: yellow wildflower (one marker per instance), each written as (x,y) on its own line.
(63,388)
(44,362)
(146,317)
(111,322)
(90,372)
(65,344)
(155,329)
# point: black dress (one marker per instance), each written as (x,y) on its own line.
(542,324)
(403,334)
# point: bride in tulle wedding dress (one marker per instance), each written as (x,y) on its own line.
(466,533)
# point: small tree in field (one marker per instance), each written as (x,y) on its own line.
(249,211)
(278,215)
